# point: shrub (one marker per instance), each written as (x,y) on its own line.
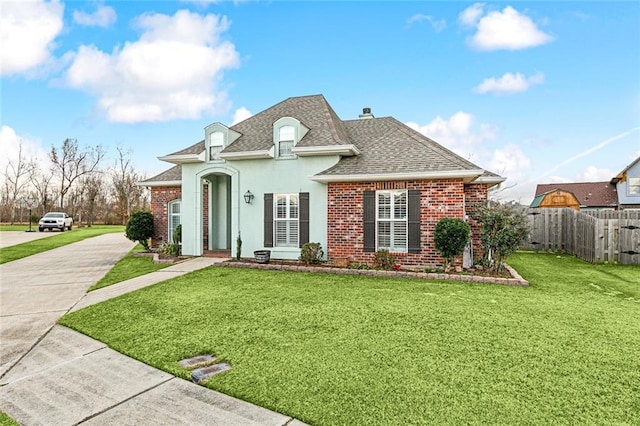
(384,260)
(503,229)
(140,228)
(311,253)
(238,247)
(177,235)
(451,237)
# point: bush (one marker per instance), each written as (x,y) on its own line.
(311,253)
(140,228)
(384,260)
(177,235)
(451,236)
(503,229)
(238,247)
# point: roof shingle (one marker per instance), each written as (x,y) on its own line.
(589,194)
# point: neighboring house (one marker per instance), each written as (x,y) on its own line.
(297,173)
(627,183)
(578,196)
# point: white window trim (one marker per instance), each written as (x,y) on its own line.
(287,220)
(392,220)
(170,215)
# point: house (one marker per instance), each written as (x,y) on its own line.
(297,173)
(577,195)
(627,183)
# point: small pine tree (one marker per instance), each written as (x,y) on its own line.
(140,228)
(451,236)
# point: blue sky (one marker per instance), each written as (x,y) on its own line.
(536,91)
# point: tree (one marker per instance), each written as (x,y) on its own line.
(140,228)
(451,236)
(70,163)
(503,229)
(41,182)
(128,195)
(17,176)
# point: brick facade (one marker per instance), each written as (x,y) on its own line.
(438,199)
(161,196)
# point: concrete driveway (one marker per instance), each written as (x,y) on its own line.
(50,374)
(11,238)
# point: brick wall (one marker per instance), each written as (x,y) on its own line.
(438,199)
(160,199)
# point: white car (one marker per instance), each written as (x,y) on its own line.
(55,220)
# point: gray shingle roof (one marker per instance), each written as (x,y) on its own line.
(326,129)
(196,148)
(173,174)
(387,146)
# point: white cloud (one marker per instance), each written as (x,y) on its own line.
(511,162)
(508,29)
(241,114)
(438,25)
(9,146)
(470,16)
(103,16)
(27,33)
(508,84)
(172,72)
(458,133)
(594,174)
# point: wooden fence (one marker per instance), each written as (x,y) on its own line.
(595,236)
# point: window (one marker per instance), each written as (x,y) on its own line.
(174,217)
(285,223)
(634,186)
(391,220)
(286,139)
(216,143)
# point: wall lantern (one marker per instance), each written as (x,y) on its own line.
(248,197)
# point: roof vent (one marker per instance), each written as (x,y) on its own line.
(366,113)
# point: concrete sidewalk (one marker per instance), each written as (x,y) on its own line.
(54,375)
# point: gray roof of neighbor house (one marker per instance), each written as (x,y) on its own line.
(387,147)
(589,194)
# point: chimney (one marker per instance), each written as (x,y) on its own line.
(366,114)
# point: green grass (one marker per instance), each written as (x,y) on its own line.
(18,227)
(5,420)
(330,349)
(8,254)
(128,267)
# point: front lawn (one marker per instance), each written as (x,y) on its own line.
(128,267)
(366,350)
(8,254)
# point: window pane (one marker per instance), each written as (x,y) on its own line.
(293,233)
(214,151)
(281,207)
(384,205)
(384,235)
(175,207)
(400,205)
(399,236)
(285,148)
(293,206)
(216,139)
(634,186)
(287,133)
(281,233)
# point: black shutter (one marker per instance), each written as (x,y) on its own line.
(369,216)
(303,197)
(268,220)
(414,220)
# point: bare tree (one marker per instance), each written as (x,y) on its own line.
(128,195)
(16,179)
(90,192)
(41,182)
(70,163)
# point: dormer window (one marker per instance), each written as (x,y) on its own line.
(286,140)
(216,144)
